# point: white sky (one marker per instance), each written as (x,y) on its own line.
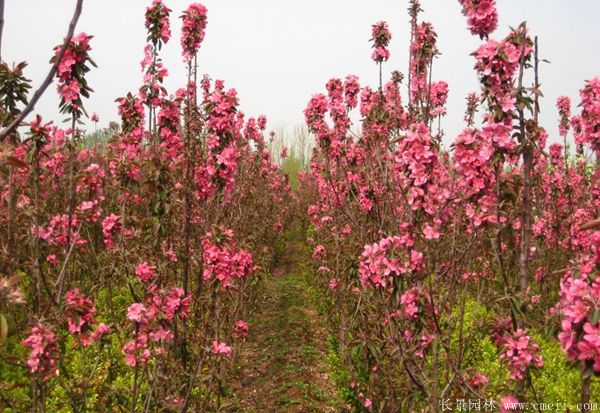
(277,53)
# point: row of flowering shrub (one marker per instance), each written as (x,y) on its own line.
(129,268)
(429,256)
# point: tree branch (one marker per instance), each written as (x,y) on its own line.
(49,78)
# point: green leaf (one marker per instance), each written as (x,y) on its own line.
(596,316)
(3,329)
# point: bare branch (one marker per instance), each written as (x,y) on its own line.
(49,78)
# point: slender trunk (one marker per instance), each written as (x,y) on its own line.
(71,206)
(525,221)
(586,391)
(135,374)
(187,226)
(527,150)
(36,389)
(10,222)
(36,250)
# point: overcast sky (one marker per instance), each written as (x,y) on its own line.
(277,53)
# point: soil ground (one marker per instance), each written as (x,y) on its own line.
(283,366)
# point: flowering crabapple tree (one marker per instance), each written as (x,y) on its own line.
(430,256)
(133,264)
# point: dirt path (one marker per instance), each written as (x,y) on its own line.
(283,366)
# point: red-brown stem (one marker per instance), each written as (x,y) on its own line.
(9,224)
(188,208)
(186,401)
(36,253)
(135,373)
(527,151)
(586,391)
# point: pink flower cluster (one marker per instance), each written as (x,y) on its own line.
(152,92)
(380,36)
(473,153)
(137,351)
(563,103)
(145,272)
(520,352)
(419,170)
(223,261)
(90,186)
(71,71)
(580,307)
(410,301)
(192,32)
(80,312)
(422,51)
(43,352)
(482,17)
(111,226)
(241,329)
(152,323)
(224,124)
(58,232)
(438,94)
(157,23)
(342,96)
(390,257)
(497,64)
(220,349)
(590,113)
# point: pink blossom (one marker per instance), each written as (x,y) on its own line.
(157,23)
(137,350)
(241,329)
(482,17)
(220,349)
(80,313)
(100,331)
(43,352)
(224,261)
(137,312)
(590,113)
(145,272)
(333,284)
(563,103)
(381,37)
(520,352)
(431,232)
(176,303)
(422,50)
(192,32)
(111,226)
(380,54)
(392,256)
